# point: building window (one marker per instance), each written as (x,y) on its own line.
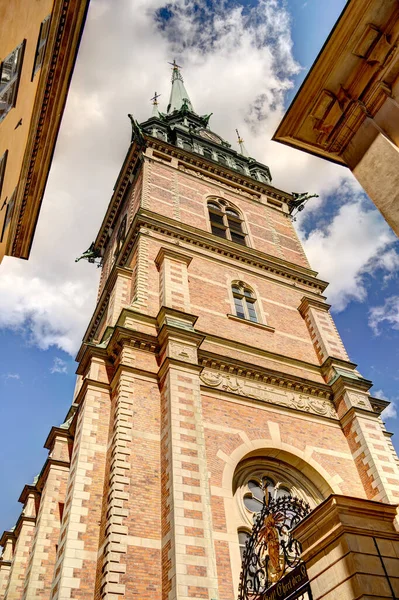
(244,302)
(243,536)
(223,160)
(9,213)
(120,236)
(226,222)
(207,153)
(41,45)
(3,162)
(10,71)
(187,146)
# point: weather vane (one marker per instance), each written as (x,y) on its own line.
(155,98)
(174,64)
(240,140)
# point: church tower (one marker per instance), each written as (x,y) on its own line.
(211,364)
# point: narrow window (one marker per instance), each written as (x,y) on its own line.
(216,217)
(207,153)
(235,225)
(10,71)
(9,213)
(226,222)
(3,162)
(243,536)
(41,45)
(244,302)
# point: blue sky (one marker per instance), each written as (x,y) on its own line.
(49,299)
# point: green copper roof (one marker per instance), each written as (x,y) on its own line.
(178,96)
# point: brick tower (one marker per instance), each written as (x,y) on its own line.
(211,361)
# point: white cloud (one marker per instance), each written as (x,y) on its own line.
(349,247)
(238,63)
(11,376)
(390,411)
(387,314)
(59,366)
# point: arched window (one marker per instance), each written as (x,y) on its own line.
(223,160)
(207,153)
(243,535)
(244,302)
(187,146)
(260,475)
(226,222)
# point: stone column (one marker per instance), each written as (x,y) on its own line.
(24,532)
(188,554)
(75,569)
(52,483)
(7,541)
(351,549)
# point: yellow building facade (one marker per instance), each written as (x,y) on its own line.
(38,46)
(347,109)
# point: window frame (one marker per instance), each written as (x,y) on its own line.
(231,233)
(3,166)
(13,84)
(9,214)
(245,301)
(41,45)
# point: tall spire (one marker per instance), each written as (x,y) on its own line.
(178,95)
(155,111)
(243,149)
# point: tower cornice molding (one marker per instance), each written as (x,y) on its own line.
(216,171)
(145,222)
(213,171)
(268,376)
(205,240)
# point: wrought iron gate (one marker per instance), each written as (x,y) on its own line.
(272,568)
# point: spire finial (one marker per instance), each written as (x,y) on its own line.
(178,96)
(155,112)
(243,150)
(155,99)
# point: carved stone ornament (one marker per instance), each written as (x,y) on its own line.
(183,352)
(268,393)
(359,400)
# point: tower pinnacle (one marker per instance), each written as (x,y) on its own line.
(178,96)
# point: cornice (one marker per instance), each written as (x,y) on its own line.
(146,221)
(53,434)
(263,375)
(355,69)
(205,240)
(67,22)
(216,170)
(27,489)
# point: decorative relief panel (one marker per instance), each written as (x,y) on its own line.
(359,400)
(269,394)
(183,352)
